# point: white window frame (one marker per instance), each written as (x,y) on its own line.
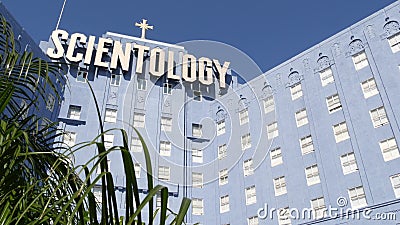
(333,103)
(115,79)
(166,124)
(197,180)
(296,91)
(110,115)
(74,112)
(223,177)
(357,197)
(272,130)
(312,175)
(369,88)
(51,101)
(136,145)
(82,73)
(341,132)
(138,168)
(197,206)
(221,127)
(349,163)
(224,204)
(108,141)
(197,130)
(306,145)
(197,96)
(326,76)
(251,195)
(395,180)
(164,173)
(394,42)
(276,157)
(248,169)
(301,117)
(269,104)
(222,151)
(378,117)
(246,141)
(197,155)
(280,186)
(252,220)
(167,89)
(360,60)
(319,207)
(243,116)
(69,138)
(389,149)
(284,217)
(165,148)
(139,120)
(141,84)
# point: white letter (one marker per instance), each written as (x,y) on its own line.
(221,71)
(89,50)
(58,52)
(265,210)
(154,63)
(71,47)
(205,75)
(139,64)
(102,48)
(118,53)
(185,74)
(170,73)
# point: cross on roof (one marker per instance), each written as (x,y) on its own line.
(144,26)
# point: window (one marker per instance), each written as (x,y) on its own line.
(341,132)
(115,79)
(136,145)
(357,197)
(197,206)
(269,104)
(360,60)
(251,196)
(276,157)
(166,124)
(224,204)
(243,116)
(369,88)
(222,151)
(97,192)
(220,127)
(394,42)
(137,168)
(319,208)
(111,115)
(301,117)
(248,167)
(333,103)
(197,180)
(349,163)
(296,91)
(138,119)
(99,167)
(252,220)
(74,112)
(306,145)
(312,175)
(69,138)
(197,155)
(159,201)
(165,148)
(246,141)
(108,140)
(24,109)
(378,117)
(164,173)
(167,89)
(280,186)
(141,84)
(82,75)
(197,96)
(389,149)
(284,216)
(50,102)
(196,130)
(223,177)
(272,130)
(395,179)
(326,76)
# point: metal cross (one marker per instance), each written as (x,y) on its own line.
(144,26)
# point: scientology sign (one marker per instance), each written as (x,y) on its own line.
(191,66)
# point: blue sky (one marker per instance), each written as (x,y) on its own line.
(270,32)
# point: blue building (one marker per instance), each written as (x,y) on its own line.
(319,131)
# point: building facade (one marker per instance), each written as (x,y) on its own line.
(319,131)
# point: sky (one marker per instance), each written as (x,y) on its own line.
(270,32)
